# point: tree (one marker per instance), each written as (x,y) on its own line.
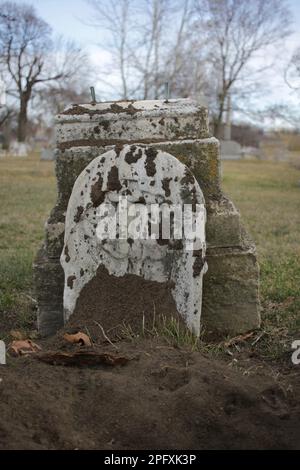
(236,30)
(113,16)
(292,72)
(30,58)
(55,98)
(148,41)
(5,114)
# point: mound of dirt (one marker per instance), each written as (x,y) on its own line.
(163,398)
(121,302)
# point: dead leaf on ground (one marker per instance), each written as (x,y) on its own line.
(23,347)
(78,338)
(81,358)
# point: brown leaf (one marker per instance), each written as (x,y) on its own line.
(81,358)
(23,347)
(79,337)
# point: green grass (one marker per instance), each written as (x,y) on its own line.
(267,195)
(27,193)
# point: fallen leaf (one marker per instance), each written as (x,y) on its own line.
(81,358)
(79,337)
(23,347)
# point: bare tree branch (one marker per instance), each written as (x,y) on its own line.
(236,31)
(30,57)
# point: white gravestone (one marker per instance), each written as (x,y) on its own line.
(2,353)
(18,149)
(147,182)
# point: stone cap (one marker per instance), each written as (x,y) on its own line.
(109,123)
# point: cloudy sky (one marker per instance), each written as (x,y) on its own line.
(67,17)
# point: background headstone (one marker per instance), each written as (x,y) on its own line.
(18,149)
(47,154)
(230,150)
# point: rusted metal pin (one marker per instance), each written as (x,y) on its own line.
(93,95)
(167,92)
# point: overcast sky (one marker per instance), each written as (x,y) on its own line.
(67,17)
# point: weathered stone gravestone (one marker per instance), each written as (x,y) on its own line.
(105,146)
(142,186)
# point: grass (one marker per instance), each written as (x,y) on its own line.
(268,197)
(27,194)
(267,194)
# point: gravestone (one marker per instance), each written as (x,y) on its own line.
(18,149)
(47,154)
(140,187)
(176,130)
(230,150)
(251,152)
(272,147)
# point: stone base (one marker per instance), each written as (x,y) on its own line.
(231,291)
(49,288)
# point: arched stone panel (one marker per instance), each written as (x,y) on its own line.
(136,180)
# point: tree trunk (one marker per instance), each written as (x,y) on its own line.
(22,120)
(219,118)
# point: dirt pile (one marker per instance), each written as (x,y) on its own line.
(164,397)
(121,303)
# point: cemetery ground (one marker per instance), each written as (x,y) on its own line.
(174,392)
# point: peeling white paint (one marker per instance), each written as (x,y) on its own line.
(141,179)
(133,121)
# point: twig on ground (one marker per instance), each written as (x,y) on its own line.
(105,335)
(258,338)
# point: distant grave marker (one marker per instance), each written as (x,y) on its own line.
(230,150)
(47,154)
(18,149)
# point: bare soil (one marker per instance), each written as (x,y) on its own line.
(117,302)
(164,397)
